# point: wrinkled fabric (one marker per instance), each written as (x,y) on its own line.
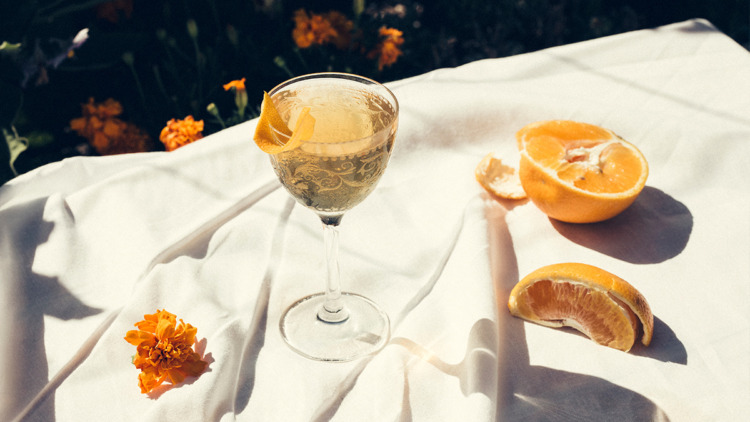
(90,245)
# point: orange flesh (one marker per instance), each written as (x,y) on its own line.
(588,310)
(599,166)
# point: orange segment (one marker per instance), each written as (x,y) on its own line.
(499,179)
(272,134)
(597,303)
(578,172)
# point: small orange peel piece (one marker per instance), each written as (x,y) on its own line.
(499,179)
(272,134)
(597,303)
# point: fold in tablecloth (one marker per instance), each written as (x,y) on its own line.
(90,245)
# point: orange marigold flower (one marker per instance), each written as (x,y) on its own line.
(238,85)
(343,28)
(388,51)
(106,132)
(178,133)
(240,94)
(109,108)
(164,350)
(312,29)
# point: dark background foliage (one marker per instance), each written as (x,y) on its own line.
(149,62)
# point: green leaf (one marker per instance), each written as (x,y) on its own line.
(8,48)
(38,138)
(16,145)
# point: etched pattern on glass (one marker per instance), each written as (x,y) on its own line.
(331,184)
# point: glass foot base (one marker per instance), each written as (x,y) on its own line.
(365,331)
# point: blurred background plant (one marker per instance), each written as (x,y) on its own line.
(98,77)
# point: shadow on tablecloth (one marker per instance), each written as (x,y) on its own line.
(654,229)
(30,298)
(535,393)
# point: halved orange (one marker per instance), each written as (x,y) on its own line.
(601,305)
(272,135)
(499,179)
(578,172)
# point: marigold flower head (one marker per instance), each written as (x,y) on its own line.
(164,350)
(109,108)
(178,133)
(107,133)
(237,84)
(240,94)
(312,29)
(343,28)
(388,51)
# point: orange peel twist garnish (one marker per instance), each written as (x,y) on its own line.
(272,134)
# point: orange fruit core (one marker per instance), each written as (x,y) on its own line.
(595,302)
(577,172)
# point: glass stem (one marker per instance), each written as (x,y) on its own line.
(333,309)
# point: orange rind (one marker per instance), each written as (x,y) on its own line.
(499,179)
(577,172)
(272,134)
(599,304)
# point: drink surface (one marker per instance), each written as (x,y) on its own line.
(351,144)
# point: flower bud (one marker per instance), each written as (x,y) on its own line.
(232,35)
(358,7)
(211,108)
(128,58)
(161,34)
(192,28)
(240,99)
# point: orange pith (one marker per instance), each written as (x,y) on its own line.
(597,303)
(499,179)
(577,172)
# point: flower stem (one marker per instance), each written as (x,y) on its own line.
(163,90)
(281,63)
(128,58)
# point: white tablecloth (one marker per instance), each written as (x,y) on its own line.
(90,245)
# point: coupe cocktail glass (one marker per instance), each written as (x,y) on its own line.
(355,125)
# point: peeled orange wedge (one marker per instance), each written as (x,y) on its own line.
(272,135)
(578,172)
(597,303)
(499,179)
